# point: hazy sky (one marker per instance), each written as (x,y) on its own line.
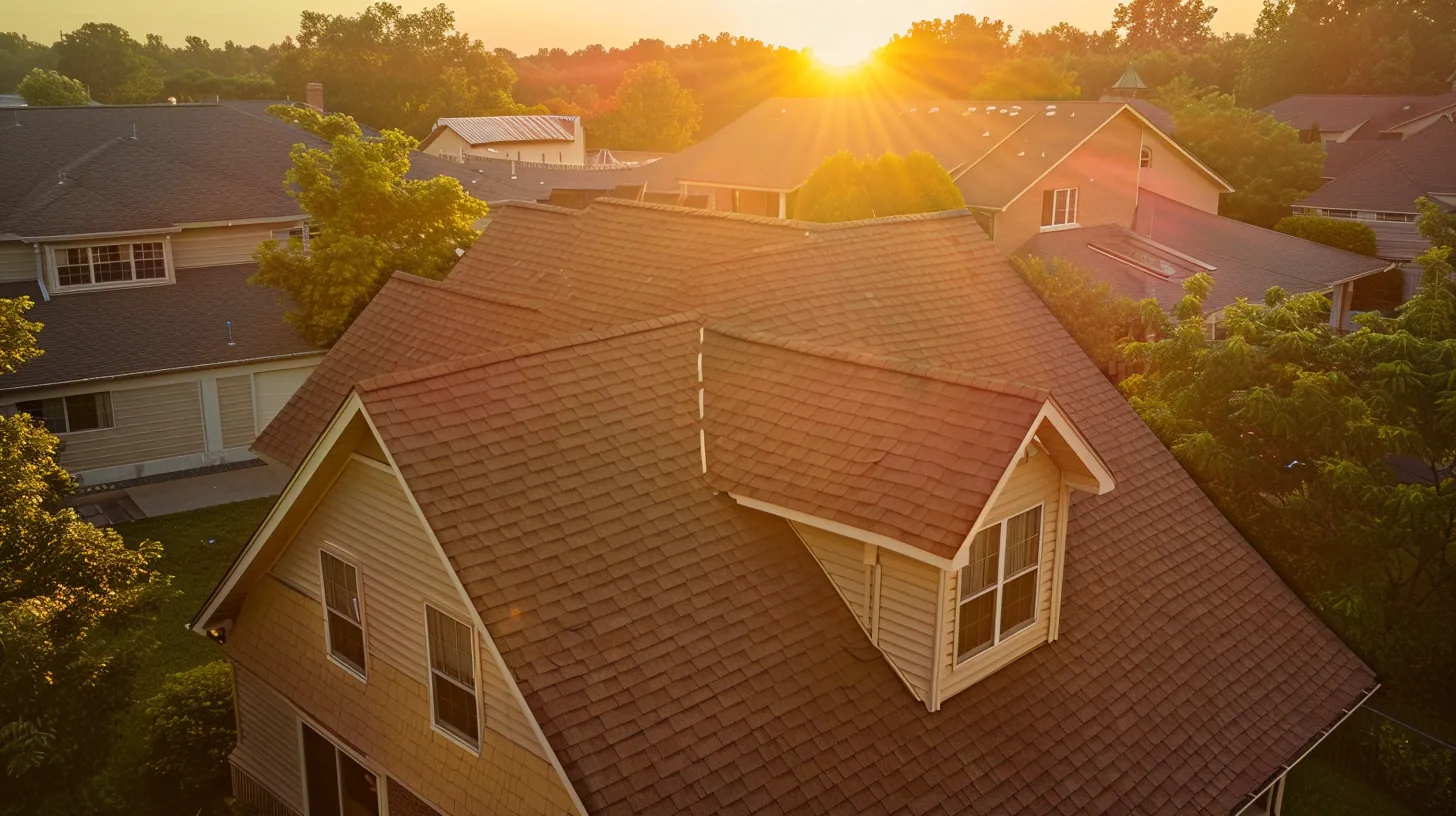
(843,26)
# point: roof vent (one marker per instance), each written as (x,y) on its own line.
(1022,153)
(912,110)
(1016,107)
(60,176)
(1051,113)
(133,131)
(969,111)
(1051,107)
(1073,113)
(1016,113)
(990,109)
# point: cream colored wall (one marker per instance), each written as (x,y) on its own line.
(219,246)
(1104,169)
(272,390)
(235,407)
(909,592)
(155,422)
(1175,176)
(1035,480)
(268,738)
(843,560)
(17,261)
(449,145)
(279,636)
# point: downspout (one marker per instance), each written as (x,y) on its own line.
(40,274)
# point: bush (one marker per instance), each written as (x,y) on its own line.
(1350,236)
(190,732)
(48,88)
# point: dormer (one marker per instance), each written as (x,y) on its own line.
(935,501)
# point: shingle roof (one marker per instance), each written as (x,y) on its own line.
(482,130)
(1247,260)
(1372,113)
(1422,164)
(121,332)
(1342,157)
(685,654)
(188,164)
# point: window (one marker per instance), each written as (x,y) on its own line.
(307,233)
(110,264)
(1145,158)
(1337,213)
(335,784)
(452,676)
(344,631)
(78,412)
(998,588)
(1059,207)
(1400,217)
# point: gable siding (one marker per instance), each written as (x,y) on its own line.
(1174,176)
(268,739)
(909,591)
(843,560)
(220,246)
(150,423)
(17,262)
(1034,480)
(235,407)
(367,516)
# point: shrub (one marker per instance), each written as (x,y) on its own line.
(190,732)
(1350,236)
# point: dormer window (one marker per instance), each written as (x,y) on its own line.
(999,586)
(97,266)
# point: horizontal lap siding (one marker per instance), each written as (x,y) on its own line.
(909,592)
(1034,481)
(219,246)
(149,424)
(843,560)
(268,739)
(367,516)
(17,261)
(235,404)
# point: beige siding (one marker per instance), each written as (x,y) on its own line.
(219,246)
(1175,176)
(17,261)
(843,560)
(1034,481)
(272,389)
(268,739)
(367,516)
(909,592)
(235,404)
(150,423)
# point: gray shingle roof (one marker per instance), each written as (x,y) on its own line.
(1391,182)
(1344,111)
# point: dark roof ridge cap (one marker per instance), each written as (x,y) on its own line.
(940,373)
(523,204)
(456,289)
(520,350)
(787,223)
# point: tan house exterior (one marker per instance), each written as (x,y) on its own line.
(541,139)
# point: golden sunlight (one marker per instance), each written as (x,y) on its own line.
(842,53)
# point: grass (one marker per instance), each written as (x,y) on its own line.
(1316,788)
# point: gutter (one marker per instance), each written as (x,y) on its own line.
(50,239)
(179,369)
(1284,769)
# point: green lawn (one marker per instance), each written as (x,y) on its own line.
(1315,788)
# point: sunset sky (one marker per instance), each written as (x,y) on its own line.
(835,27)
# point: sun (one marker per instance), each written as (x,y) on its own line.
(841,55)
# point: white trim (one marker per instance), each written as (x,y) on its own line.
(87,236)
(933,700)
(997,636)
(1059,227)
(367,462)
(1059,555)
(185,373)
(329,549)
(728,185)
(844,530)
(53,268)
(381,777)
(1254,796)
(239,222)
(444,729)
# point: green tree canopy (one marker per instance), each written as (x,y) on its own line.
(1027,78)
(390,69)
(844,188)
(48,88)
(70,594)
(18,55)
(1175,24)
(106,59)
(1351,236)
(651,110)
(367,221)
(1099,320)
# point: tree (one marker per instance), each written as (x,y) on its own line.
(651,110)
(190,733)
(1266,161)
(47,88)
(846,189)
(1099,320)
(367,222)
(1436,223)
(1027,78)
(106,59)
(1351,236)
(325,126)
(1175,24)
(18,55)
(70,596)
(389,69)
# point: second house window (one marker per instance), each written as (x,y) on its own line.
(104,264)
(78,412)
(345,629)
(452,676)
(998,588)
(1059,207)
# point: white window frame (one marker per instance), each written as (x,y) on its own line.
(381,778)
(440,728)
(997,637)
(304,232)
(1069,197)
(66,412)
(1145,158)
(359,673)
(55,251)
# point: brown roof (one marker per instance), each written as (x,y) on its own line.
(1421,165)
(685,654)
(859,440)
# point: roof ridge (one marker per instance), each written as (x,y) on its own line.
(457,289)
(519,350)
(940,373)
(790,223)
(534,205)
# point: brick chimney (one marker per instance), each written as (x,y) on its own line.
(314,95)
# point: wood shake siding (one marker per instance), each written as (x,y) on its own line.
(152,423)
(235,404)
(17,262)
(908,594)
(1036,480)
(843,560)
(267,748)
(219,246)
(367,516)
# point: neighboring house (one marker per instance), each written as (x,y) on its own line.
(133,229)
(1342,157)
(1361,117)
(1381,191)
(544,138)
(1171,242)
(656,510)
(1022,166)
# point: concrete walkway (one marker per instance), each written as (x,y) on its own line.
(193,492)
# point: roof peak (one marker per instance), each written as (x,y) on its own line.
(808,226)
